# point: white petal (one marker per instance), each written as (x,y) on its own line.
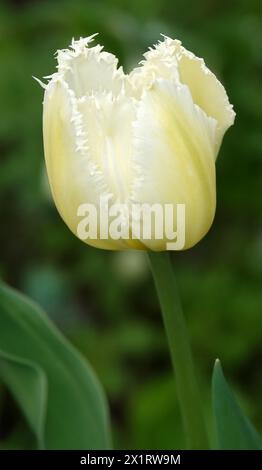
(206,91)
(174,157)
(87,154)
(107,122)
(88,70)
(172,61)
(73,177)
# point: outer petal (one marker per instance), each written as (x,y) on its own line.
(87,135)
(170,60)
(206,91)
(73,177)
(174,156)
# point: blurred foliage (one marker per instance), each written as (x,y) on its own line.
(105,302)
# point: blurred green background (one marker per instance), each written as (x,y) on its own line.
(105,302)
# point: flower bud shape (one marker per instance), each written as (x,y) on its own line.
(149,138)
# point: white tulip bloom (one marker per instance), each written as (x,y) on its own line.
(148,137)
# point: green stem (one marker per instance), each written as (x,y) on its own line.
(175,326)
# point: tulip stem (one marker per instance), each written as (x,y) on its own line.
(176,330)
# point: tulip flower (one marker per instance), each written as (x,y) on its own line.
(149,137)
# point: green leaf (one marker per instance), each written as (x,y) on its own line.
(56,389)
(234,430)
(22,376)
